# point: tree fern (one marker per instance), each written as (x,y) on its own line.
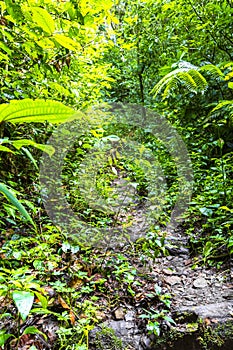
(188,75)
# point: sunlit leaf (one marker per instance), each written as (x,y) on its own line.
(43,19)
(37,111)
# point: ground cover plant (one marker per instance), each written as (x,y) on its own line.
(58,59)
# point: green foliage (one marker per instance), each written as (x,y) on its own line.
(57,57)
(187,75)
(38,111)
(15,202)
(23,301)
(4,337)
(226,105)
(30,111)
(107,337)
(54,50)
(155,317)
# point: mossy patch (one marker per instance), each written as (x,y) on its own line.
(197,336)
(106,339)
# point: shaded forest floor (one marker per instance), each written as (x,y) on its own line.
(119,288)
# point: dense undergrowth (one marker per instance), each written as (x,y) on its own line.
(173,57)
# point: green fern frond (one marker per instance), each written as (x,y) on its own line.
(173,84)
(187,74)
(167,80)
(200,81)
(226,103)
(38,111)
(187,80)
(212,69)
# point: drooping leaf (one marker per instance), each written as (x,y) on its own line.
(23,301)
(30,156)
(189,75)
(13,200)
(228,103)
(33,330)
(206,211)
(24,142)
(38,111)
(43,300)
(212,69)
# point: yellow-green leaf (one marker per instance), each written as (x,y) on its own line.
(45,148)
(43,19)
(5,149)
(67,42)
(38,111)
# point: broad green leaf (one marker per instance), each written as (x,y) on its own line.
(206,211)
(38,111)
(45,43)
(5,48)
(23,301)
(25,142)
(226,208)
(13,200)
(4,336)
(169,319)
(43,19)
(67,42)
(45,148)
(33,330)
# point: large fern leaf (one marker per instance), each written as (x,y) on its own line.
(220,105)
(188,75)
(187,80)
(38,111)
(212,69)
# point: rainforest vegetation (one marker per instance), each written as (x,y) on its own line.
(64,59)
